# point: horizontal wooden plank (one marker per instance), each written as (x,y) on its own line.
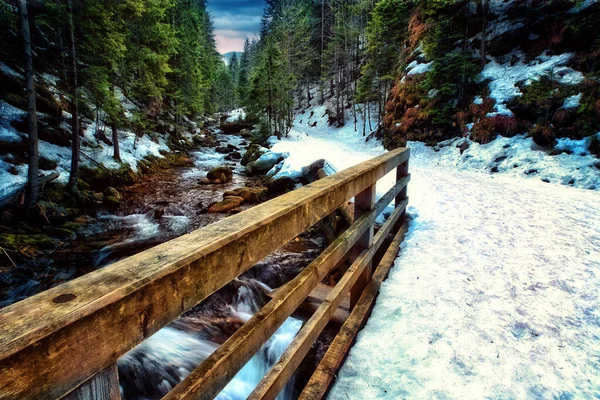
(208,379)
(322,379)
(277,377)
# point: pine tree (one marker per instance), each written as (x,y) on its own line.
(31,191)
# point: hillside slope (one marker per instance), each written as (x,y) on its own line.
(537,74)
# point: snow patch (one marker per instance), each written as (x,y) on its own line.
(9,71)
(504,77)
(519,157)
(418,68)
(572,101)
(236,115)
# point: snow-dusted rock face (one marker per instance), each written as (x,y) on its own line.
(537,77)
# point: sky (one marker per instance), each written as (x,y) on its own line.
(234,20)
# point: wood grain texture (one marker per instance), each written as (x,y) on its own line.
(277,377)
(363,203)
(102,386)
(323,377)
(54,341)
(208,379)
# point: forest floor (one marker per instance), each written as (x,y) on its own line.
(494,294)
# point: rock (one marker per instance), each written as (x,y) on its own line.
(112,192)
(235,155)
(58,232)
(55,213)
(250,195)
(245,133)
(47,164)
(253,153)
(111,201)
(280,186)
(464,145)
(98,197)
(6,218)
(228,203)
(232,147)
(235,127)
(158,213)
(264,163)
(223,174)
(222,150)
(531,171)
(310,173)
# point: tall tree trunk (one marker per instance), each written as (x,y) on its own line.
(322,99)
(31,190)
(74,106)
(115,140)
(485,6)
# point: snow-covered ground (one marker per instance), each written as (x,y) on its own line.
(495,292)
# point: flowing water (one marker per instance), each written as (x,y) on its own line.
(162,207)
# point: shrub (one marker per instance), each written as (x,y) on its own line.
(544,135)
(484,131)
(563,117)
(506,126)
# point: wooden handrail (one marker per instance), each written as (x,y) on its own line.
(53,342)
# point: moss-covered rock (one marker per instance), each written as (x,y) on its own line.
(56,214)
(112,192)
(101,178)
(223,174)
(111,201)
(17,242)
(252,154)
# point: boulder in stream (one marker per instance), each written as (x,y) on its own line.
(250,195)
(228,203)
(252,154)
(264,163)
(222,174)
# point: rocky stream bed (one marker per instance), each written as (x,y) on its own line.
(165,205)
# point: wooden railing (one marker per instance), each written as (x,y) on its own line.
(65,341)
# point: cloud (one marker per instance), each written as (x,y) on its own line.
(234,20)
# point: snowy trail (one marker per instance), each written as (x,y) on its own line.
(494,295)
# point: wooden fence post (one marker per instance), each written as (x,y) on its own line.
(102,386)
(363,203)
(401,172)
